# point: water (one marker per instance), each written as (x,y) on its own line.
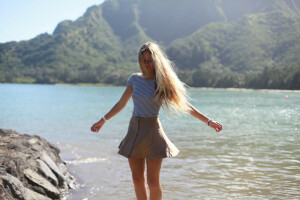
(256,156)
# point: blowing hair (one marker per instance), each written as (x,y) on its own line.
(170,91)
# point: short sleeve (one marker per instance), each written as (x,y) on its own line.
(130,80)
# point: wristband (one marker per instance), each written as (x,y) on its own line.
(208,122)
(104,118)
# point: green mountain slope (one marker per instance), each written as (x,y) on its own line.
(240,40)
(254,41)
(237,54)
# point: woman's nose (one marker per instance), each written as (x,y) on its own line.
(147,62)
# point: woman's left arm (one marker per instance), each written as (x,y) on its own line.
(213,124)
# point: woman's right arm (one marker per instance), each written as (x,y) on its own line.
(115,110)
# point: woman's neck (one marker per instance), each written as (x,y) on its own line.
(149,76)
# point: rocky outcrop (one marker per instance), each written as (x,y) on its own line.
(31,169)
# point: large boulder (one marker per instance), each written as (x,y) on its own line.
(30,168)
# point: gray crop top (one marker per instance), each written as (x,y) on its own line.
(143,96)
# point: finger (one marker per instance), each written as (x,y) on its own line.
(220,127)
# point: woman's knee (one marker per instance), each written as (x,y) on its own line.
(138,178)
(153,182)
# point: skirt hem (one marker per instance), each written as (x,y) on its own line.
(149,158)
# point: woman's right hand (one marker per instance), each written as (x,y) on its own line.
(98,125)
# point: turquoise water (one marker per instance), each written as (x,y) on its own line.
(256,156)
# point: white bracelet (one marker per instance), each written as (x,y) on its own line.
(104,118)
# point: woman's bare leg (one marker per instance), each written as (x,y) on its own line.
(137,166)
(153,174)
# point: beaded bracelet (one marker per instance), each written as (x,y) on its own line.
(208,122)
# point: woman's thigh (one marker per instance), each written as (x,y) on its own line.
(153,170)
(137,166)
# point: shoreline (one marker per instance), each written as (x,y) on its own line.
(198,88)
(82,84)
(246,89)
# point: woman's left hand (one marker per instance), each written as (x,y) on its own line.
(216,125)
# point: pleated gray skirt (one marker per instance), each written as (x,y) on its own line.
(146,139)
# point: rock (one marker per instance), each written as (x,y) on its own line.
(52,191)
(33,140)
(54,168)
(46,172)
(30,168)
(36,196)
(16,187)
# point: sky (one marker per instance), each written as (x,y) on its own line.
(25,19)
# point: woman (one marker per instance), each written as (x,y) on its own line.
(157,85)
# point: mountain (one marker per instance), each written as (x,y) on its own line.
(253,41)
(234,42)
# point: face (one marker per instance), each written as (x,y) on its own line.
(148,62)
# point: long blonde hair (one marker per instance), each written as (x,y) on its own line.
(170,92)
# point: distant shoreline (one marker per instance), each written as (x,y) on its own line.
(199,88)
(82,84)
(245,89)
